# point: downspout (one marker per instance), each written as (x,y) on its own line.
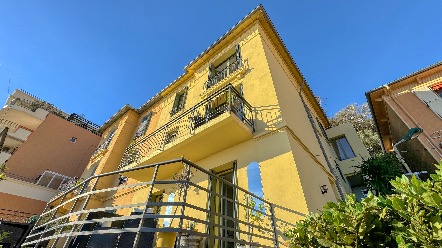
(312,123)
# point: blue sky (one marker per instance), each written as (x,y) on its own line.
(92,57)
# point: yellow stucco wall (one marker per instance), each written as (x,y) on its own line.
(284,145)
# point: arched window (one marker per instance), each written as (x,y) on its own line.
(254,179)
(167,221)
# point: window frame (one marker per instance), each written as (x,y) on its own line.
(180,101)
(142,129)
(109,138)
(437,89)
(338,147)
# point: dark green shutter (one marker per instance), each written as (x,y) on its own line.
(183,98)
(238,52)
(211,71)
(175,103)
(143,125)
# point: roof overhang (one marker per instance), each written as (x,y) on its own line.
(258,14)
(375,99)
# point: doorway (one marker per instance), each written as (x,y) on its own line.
(223,202)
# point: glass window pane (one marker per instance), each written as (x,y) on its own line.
(345,151)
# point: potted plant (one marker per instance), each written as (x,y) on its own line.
(254,214)
(3,171)
(188,239)
(4,235)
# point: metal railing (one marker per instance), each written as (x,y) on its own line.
(84,123)
(14,216)
(7,123)
(226,99)
(36,104)
(47,179)
(221,214)
(230,67)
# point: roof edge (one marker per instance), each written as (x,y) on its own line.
(115,117)
(407,76)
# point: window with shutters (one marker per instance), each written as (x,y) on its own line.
(142,128)
(343,148)
(437,88)
(107,141)
(224,66)
(180,100)
(431,98)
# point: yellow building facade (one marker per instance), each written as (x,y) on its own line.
(230,154)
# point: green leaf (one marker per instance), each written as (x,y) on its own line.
(431,198)
(398,203)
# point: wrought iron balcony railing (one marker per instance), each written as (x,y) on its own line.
(231,64)
(36,104)
(226,99)
(218,213)
(84,123)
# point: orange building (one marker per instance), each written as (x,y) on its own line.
(411,101)
(43,149)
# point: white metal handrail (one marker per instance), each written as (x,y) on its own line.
(52,179)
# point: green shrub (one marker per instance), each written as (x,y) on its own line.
(4,235)
(411,217)
(376,173)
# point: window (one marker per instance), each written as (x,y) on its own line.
(109,139)
(180,100)
(343,148)
(224,66)
(73,140)
(431,97)
(170,198)
(437,88)
(254,179)
(142,128)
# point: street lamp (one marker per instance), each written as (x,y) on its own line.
(412,133)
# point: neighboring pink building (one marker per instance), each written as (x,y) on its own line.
(43,149)
(411,101)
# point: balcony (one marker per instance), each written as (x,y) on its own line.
(84,123)
(5,154)
(222,71)
(48,179)
(220,121)
(20,134)
(29,113)
(14,216)
(185,209)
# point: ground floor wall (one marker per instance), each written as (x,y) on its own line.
(289,178)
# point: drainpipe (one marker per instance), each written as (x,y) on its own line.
(399,156)
(312,123)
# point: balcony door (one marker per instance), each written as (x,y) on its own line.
(225,205)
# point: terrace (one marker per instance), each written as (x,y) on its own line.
(182,204)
